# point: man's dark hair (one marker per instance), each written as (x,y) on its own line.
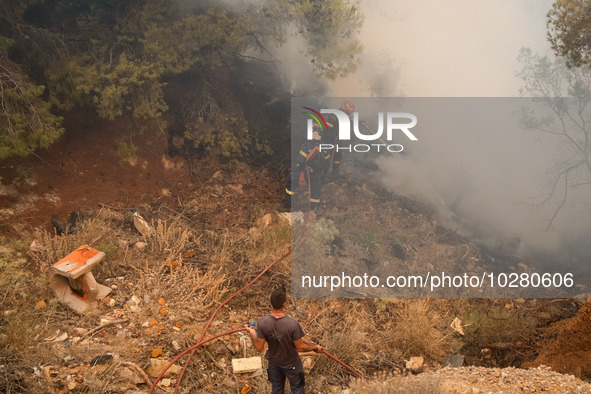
(278,298)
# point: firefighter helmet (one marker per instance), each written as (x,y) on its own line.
(348,107)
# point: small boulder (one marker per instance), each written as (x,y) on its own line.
(265,221)
(131,376)
(415,364)
(142,225)
(157,365)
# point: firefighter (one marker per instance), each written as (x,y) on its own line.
(332,137)
(311,164)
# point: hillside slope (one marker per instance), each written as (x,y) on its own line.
(222,221)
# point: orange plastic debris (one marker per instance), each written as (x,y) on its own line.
(161,301)
(156,352)
(163,310)
(173,265)
(153,322)
(79,262)
(189,254)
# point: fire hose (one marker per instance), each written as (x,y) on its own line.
(217,310)
(200,342)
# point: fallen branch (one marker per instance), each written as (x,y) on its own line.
(96,329)
(214,361)
(506,346)
(140,371)
(465,254)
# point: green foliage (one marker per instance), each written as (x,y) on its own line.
(125,86)
(125,52)
(26,122)
(328,29)
(5,44)
(203,39)
(369,240)
(214,120)
(110,251)
(11,11)
(569,30)
(228,143)
(125,74)
(127,152)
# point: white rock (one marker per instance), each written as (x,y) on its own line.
(142,225)
(415,363)
(35,247)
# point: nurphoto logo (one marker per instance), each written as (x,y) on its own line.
(395,121)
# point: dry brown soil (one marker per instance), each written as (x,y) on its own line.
(83,169)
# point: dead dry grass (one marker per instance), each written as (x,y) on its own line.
(168,240)
(231,241)
(421,330)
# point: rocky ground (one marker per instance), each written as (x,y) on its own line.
(468,380)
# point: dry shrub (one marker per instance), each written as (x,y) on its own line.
(19,350)
(226,250)
(20,324)
(311,252)
(17,286)
(188,292)
(51,247)
(353,342)
(168,239)
(269,242)
(420,331)
(14,378)
(488,322)
(110,215)
(105,378)
(18,333)
(220,246)
(348,346)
